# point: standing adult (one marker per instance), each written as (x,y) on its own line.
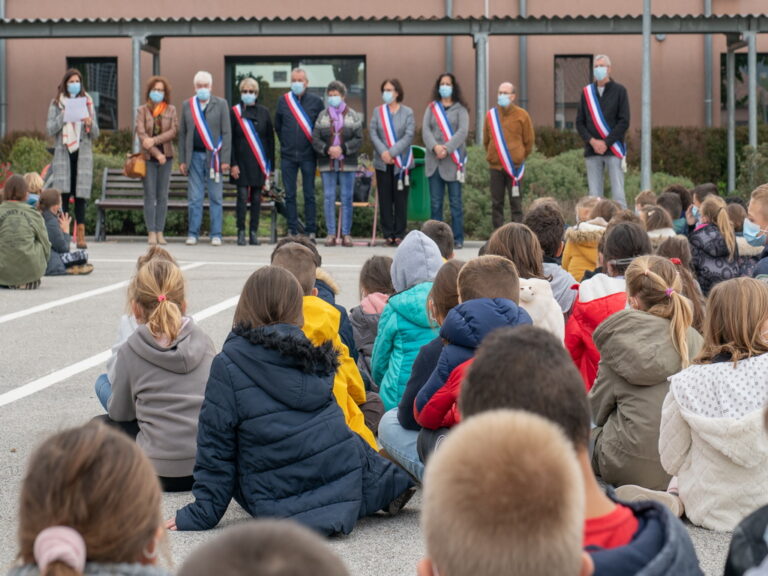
(602,122)
(73,150)
(444,129)
(295,118)
(337,138)
(392,128)
(508,140)
(253,155)
(156,127)
(205,144)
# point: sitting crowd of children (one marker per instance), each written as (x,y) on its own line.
(564,398)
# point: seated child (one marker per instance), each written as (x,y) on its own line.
(713,245)
(748,548)
(264,548)
(503,495)
(525,368)
(272,435)
(547,223)
(35,185)
(580,252)
(321,321)
(375,289)
(644,199)
(405,326)
(398,429)
(90,504)
(156,385)
(488,296)
(756,227)
(61,260)
(698,195)
(640,349)
(24,244)
(712,434)
(442,235)
(678,251)
(673,205)
(602,295)
(658,224)
(749,253)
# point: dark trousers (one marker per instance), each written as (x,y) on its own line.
(243,194)
(501,185)
(79,202)
(429,441)
(290,169)
(393,204)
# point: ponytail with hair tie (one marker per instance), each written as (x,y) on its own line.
(60,544)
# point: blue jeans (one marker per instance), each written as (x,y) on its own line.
(346,181)
(290,169)
(199,179)
(103,390)
(400,443)
(596,166)
(437,192)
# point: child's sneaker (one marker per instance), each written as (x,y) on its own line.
(399,503)
(631,493)
(81,269)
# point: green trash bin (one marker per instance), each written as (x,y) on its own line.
(419,201)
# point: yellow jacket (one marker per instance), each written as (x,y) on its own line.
(321,323)
(580,253)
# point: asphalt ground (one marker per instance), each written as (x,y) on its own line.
(54,342)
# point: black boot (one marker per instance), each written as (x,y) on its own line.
(241,237)
(254,239)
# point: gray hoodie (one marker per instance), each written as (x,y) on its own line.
(562,285)
(162,388)
(98,569)
(416,260)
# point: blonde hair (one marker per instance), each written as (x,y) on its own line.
(737,309)
(98,482)
(158,291)
(655,282)
(645,198)
(34,182)
(713,208)
(248,81)
(587,204)
(523,515)
(760,195)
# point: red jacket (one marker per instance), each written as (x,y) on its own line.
(599,297)
(442,410)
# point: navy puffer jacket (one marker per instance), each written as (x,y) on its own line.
(464,328)
(710,257)
(272,436)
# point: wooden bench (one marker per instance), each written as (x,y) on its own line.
(118,192)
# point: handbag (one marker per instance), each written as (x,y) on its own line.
(362,191)
(135,166)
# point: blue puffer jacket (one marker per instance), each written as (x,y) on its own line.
(710,260)
(272,436)
(404,327)
(463,331)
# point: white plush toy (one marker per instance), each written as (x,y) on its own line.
(537,299)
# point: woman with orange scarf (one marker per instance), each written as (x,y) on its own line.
(156,128)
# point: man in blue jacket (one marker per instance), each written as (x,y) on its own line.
(296,113)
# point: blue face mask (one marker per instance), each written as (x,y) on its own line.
(388,96)
(73,88)
(600,72)
(297,88)
(753,234)
(504,100)
(248,99)
(156,96)
(445,91)
(203,94)
(334,101)
(695,212)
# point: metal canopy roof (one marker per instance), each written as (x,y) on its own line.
(529,26)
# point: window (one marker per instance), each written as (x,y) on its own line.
(741,89)
(100,78)
(572,73)
(274,76)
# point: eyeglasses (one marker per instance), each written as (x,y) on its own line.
(248,92)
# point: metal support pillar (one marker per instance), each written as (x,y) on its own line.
(708,69)
(449,39)
(3,80)
(752,72)
(730,72)
(645,143)
(522,88)
(481,84)
(136,84)
(156,63)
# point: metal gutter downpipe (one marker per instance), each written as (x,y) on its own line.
(449,39)
(3,80)
(730,70)
(136,85)
(522,89)
(708,69)
(752,84)
(645,140)
(481,84)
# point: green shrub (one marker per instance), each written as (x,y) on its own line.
(29,155)
(6,143)
(553,142)
(753,171)
(114,142)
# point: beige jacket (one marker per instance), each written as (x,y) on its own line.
(169,128)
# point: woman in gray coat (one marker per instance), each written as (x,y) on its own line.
(73,151)
(392,160)
(444,129)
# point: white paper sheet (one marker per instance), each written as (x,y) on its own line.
(75,109)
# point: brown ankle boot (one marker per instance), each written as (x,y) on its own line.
(81,237)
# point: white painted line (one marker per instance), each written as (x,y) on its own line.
(93,361)
(221,263)
(77,297)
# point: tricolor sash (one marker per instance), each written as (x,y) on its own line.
(252,137)
(404,163)
(593,105)
(299,114)
(201,124)
(503,150)
(438,111)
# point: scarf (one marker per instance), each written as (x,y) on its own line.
(70,133)
(159,109)
(337,123)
